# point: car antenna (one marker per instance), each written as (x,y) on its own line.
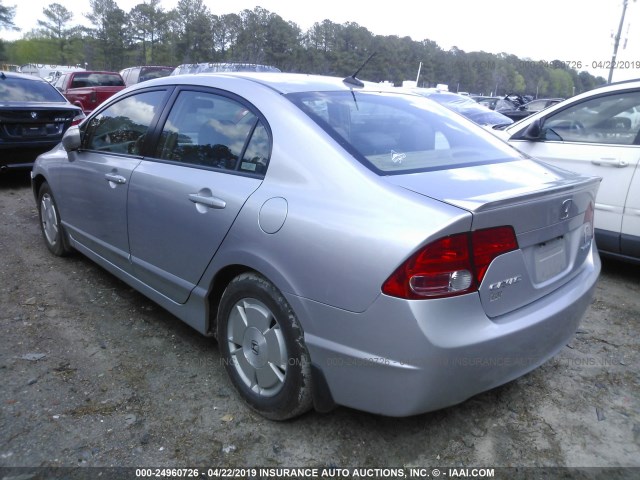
(352,80)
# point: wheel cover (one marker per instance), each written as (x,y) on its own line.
(257,347)
(49,219)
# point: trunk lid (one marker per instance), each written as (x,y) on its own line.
(35,122)
(550,209)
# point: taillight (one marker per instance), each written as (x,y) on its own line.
(587,228)
(488,244)
(451,265)
(78,119)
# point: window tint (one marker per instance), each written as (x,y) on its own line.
(121,127)
(256,157)
(397,133)
(213,131)
(606,119)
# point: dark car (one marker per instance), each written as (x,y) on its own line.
(33,117)
(139,74)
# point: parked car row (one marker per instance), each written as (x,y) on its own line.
(466,106)
(515,106)
(213,67)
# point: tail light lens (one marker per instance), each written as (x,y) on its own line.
(587,228)
(78,119)
(450,266)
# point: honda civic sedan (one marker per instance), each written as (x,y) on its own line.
(344,243)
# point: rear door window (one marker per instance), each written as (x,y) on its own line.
(213,131)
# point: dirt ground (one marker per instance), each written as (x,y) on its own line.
(94,374)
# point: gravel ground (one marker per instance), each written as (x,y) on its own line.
(94,374)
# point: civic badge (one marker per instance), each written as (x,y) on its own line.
(34,115)
(564,210)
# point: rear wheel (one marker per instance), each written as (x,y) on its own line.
(263,347)
(52,230)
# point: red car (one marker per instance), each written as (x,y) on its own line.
(88,89)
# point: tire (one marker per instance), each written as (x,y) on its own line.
(262,345)
(50,224)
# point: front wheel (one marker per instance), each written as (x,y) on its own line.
(50,224)
(263,347)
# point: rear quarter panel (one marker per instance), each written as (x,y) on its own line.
(345,229)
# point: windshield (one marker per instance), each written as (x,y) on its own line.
(397,134)
(14,89)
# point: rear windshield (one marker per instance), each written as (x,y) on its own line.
(82,80)
(397,134)
(149,73)
(13,89)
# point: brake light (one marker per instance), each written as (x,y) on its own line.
(78,119)
(587,228)
(450,266)
(488,244)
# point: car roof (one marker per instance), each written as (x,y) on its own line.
(281,82)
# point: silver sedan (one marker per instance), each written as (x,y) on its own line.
(345,243)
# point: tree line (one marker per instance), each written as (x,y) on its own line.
(190,33)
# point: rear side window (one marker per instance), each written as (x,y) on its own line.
(398,133)
(122,127)
(209,130)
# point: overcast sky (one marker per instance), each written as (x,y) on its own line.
(568,30)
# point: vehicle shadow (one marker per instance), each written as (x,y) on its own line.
(14,180)
(624,271)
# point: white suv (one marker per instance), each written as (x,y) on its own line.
(595,133)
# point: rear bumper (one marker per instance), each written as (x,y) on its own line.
(402,358)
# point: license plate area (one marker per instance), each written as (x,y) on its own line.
(550,259)
(34,131)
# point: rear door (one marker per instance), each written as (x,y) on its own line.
(210,156)
(594,137)
(630,236)
(95,179)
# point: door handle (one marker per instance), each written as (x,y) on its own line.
(610,162)
(212,202)
(115,178)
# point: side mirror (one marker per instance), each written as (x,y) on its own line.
(71,139)
(533,131)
